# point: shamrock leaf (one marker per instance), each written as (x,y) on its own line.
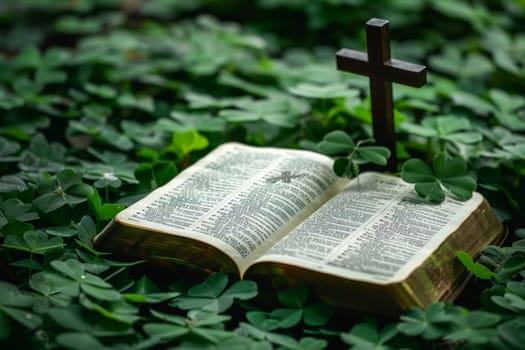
(431,323)
(35,242)
(10,101)
(103,91)
(448,173)
(8,149)
(297,309)
(79,341)
(334,90)
(12,183)
(200,324)
(476,327)
(51,296)
(372,154)
(260,327)
(365,335)
(82,321)
(42,155)
(236,343)
(447,127)
(106,211)
(14,209)
(338,141)
(182,143)
(13,306)
(509,109)
(212,295)
(275,110)
(75,278)
(451,61)
(120,311)
(65,188)
(183,121)
(511,333)
(510,301)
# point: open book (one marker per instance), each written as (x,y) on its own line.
(279,214)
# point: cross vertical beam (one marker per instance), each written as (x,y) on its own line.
(382,71)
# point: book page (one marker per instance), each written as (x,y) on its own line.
(238,198)
(376,230)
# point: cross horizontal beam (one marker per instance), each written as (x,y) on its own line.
(393,70)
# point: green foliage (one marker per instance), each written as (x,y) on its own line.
(365,335)
(16,306)
(337,142)
(479,270)
(65,188)
(212,296)
(103,101)
(448,173)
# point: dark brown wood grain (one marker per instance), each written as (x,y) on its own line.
(382,70)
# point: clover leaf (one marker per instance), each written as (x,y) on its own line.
(35,242)
(8,149)
(49,295)
(104,211)
(66,188)
(200,324)
(120,311)
(212,294)
(14,209)
(510,301)
(365,335)
(79,341)
(507,109)
(334,90)
(12,183)
(449,128)
(275,110)
(182,143)
(14,305)
(43,155)
(448,173)
(74,278)
(81,321)
(511,333)
(476,327)
(339,142)
(183,121)
(10,101)
(295,299)
(431,323)
(336,142)
(513,299)
(260,327)
(236,343)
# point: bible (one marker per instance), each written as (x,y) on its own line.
(282,216)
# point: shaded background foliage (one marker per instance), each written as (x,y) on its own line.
(102,101)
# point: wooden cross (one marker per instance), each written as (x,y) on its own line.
(382,71)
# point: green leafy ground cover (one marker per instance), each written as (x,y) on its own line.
(103,101)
